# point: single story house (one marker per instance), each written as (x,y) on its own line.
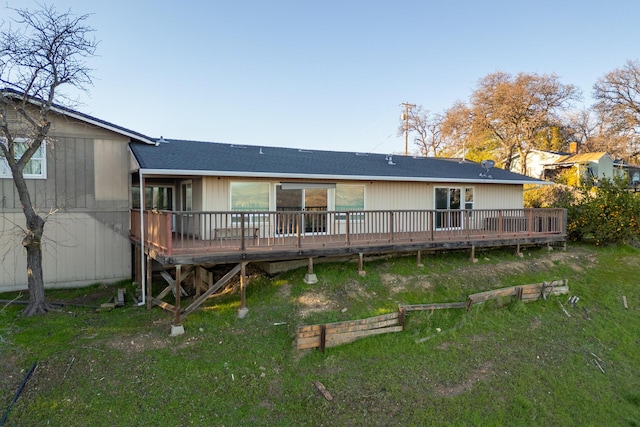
(209,203)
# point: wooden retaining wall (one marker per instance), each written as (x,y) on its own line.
(333,334)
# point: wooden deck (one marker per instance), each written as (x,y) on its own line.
(192,241)
(173,238)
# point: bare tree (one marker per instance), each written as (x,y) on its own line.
(592,133)
(426,130)
(617,97)
(509,113)
(41,52)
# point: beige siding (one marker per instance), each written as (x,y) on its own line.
(87,184)
(78,250)
(398,195)
(380,195)
(215,193)
(111,170)
(498,197)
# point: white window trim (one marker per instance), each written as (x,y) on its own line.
(40,155)
(463,195)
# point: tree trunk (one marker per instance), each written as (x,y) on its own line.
(35,279)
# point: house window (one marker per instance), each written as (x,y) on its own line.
(36,168)
(468,198)
(249,196)
(155,197)
(350,197)
(187,196)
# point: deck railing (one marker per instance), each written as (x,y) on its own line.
(192,232)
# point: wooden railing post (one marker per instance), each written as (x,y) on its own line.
(348,228)
(432,222)
(298,229)
(169,233)
(242,246)
(391,225)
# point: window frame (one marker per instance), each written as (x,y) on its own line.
(258,215)
(40,156)
(356,215)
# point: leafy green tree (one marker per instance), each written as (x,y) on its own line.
(607,214)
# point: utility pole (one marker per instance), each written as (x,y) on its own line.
(405,117)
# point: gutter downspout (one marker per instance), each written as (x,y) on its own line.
(143,264)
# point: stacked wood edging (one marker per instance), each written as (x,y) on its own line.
(525,293)
(334,334)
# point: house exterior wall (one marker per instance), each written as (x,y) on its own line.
(379,195)
(536,160)
(87,186)
(604,166)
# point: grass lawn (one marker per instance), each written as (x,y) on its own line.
(503,362)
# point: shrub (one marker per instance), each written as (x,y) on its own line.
(607,214)
(550,196)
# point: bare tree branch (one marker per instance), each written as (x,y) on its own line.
(41,52)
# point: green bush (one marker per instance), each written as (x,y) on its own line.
(607,214)
(550,196)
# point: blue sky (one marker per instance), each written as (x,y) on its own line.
(330,74)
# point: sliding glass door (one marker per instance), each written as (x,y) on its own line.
(447,203)
(307,200)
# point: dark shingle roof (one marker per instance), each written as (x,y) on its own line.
(177,157)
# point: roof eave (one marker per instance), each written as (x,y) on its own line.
(104,125)
(234,174)
(83,117)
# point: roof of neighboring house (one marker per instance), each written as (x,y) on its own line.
(581,158)
(61,109)
(196,158)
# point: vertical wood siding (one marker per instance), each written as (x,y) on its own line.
(379,195)
(78,250)
(87,182)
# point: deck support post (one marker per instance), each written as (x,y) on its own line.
(419,259)
(473,258)
(243,310)
(137,267)
(149,274)
(176,327)
(310,278)
(518,252)
(361,271)
(197,280)
(549,247)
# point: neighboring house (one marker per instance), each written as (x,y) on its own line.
(82,175)
(549,165)
(536,162)
(586,166)
(630,172)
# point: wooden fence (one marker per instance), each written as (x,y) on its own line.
(334,334)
